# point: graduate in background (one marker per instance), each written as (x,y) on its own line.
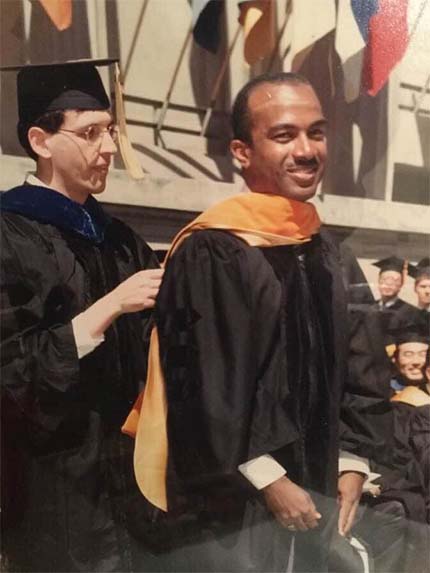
(390,281)
(421,273)
(411,348)
(77,287)
(393,514)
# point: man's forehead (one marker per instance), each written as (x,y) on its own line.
(390,273)
(283,94)
(413,346)
(87,115)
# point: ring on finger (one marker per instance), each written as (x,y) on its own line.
(291,527)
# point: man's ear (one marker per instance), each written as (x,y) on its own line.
(37,138)
(241,151)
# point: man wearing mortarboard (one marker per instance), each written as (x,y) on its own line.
(411,396)
(77,286)
(421,273)
(394,515)
(390,281)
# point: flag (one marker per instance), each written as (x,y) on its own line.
(349,45)
(59,12)
(312,20)
(206,23)
(383,25)
(257,19)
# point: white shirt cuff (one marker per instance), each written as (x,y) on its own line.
(85,343)
(349,462)
(370,487)
(262,471)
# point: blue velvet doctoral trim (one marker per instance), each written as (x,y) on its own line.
(396,385)
(49,206)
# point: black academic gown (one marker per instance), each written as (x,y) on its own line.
(393,523)
(359,294)
(419,438)
(253,345)
(67,480)
(399,314)
(388,445)
(369,414)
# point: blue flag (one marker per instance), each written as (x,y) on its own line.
(206,23)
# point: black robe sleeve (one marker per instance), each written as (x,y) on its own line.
(366,419)
(218,319)
(40,366)
(356,285)
(47,279)
(367,423)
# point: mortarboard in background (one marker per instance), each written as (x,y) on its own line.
(422,268)
(390,264)
(416,331)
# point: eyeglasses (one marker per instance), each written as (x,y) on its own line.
(94,133)
(390,281)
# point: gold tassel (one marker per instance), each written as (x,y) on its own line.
(127,152)
(405,270)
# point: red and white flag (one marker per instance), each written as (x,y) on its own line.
(375,33)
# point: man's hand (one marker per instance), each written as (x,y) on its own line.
(291,505)
(350,487)
(137,292)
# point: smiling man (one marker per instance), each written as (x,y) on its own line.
(410,357)
(74,284)
(280,140)
(251,321)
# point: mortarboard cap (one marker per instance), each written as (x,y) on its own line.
(390,264)
(43,89)
(416,331)
(75,84)
(422,268)
(58,86)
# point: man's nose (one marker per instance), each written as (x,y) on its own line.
(108,145)
(303,147)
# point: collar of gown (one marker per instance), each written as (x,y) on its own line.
(49,206)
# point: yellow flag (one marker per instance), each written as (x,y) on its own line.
(59,12)
(257,19)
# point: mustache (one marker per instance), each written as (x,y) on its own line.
(301,162)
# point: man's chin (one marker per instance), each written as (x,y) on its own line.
(301,193)
(411,381)
(97,188)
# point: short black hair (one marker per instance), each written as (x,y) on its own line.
(50,122)
(240,119)
(423,276)
(427,362)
